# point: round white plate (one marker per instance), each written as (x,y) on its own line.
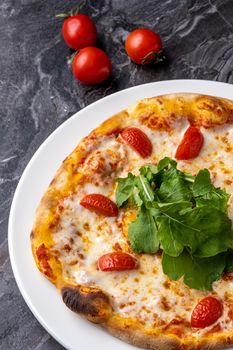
(41,296)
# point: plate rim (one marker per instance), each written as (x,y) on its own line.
(43,145)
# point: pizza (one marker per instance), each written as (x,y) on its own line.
(135,229)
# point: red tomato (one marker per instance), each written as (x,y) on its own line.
(138,140)
(43,258)
(190,145)
(99,204)
(143,46)
(79,31)
(214,329)
(206,312)
(91,66)
(174,321)
(230,314)
(117,261)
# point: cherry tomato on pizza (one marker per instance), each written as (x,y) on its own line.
(191,144)
(138,140)
(99,204)
(144,46)
(117,261)
(206,312)
(91,66)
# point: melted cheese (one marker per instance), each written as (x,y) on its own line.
(145,294)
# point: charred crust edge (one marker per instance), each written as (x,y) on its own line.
(90,302)
(32,235)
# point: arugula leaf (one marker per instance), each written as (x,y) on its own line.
(167,233)
(213,231)
(136,188)
(202,183)
(145,189)
(217,198)
(149,171)
(166,162)
(174,188)
(198,273)
(229,261)
(125,189)
(152,172)
(206,231)
(142,233)
(172,185)
(206,194)
(135,198)
(170,225)
(218,243)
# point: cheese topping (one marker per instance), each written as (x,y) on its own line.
(82,236)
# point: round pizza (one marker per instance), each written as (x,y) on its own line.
(135,229)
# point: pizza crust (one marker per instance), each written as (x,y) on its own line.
(158,113)
(160,341)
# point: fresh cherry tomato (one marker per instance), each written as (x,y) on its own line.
(143,46)
(190,145)
(117,261)
(99,204)
(138,140)
(91,66)
(206,312)
(79,31)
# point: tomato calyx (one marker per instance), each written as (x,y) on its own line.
(154,57)
(75,11)
(71,57)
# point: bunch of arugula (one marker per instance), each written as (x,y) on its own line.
(183,215)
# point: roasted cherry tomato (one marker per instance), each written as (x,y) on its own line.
(190,145)
(230,314)
(144,46)
(138,140)
(117,261)
(91,66)
(43,258)
(79,31)
(99,204)
(206,312)
(216,328)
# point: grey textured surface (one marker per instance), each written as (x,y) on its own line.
(38,92)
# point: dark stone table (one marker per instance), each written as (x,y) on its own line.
(38,93)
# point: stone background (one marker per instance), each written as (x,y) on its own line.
(38,93)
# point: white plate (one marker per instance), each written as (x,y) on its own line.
(41,296)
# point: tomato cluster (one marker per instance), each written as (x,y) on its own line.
(92,65)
